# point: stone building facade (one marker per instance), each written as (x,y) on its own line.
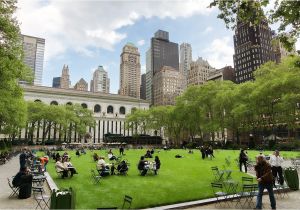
(109,110)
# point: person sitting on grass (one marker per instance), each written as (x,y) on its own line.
(102,168)
(60,168)
(83,151)
(142,166)
(69,166)
(111,155)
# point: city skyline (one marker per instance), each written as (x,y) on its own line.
(100,39)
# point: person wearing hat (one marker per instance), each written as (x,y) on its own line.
(276,161)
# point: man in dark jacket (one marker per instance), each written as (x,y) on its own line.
(243,160)
(265,180)
(23,180)
(23,158)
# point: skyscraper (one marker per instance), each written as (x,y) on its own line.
(185,61)
(130,71)
(56,82)
(163,52)
(100,82)
(34,48)
(143,87)
(65,78)
(252,46)
(199,72)
(149,75)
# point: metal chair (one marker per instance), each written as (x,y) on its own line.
(128,201)
(247,180)
(15,190)
(41,199)
(219,192)
(246,195)
(217,174)
(95,178)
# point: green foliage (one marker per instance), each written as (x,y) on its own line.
(67,118)
(216,106)
(12,69)
(286,13)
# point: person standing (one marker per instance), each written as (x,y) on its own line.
(275,161)
(157,164)
(202,150)
(243,160)
(265,181)
(121,150)
(23,158)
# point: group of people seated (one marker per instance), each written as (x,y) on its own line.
(65,167)
(144,166)
(106,169)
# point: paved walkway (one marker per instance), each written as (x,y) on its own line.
(7,171)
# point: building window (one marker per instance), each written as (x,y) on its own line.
(122,110)
(133,109)
(84,105)
(97,108)
(54,103)
(69,103)
(38,101)
(110,109)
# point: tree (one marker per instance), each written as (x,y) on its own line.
(285,12)
(12,68)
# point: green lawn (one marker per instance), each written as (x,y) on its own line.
(179,180)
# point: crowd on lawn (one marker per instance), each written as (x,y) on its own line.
(268,168)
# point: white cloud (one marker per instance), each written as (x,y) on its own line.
(80,25)
(141,42)
(207,30)
(220,52)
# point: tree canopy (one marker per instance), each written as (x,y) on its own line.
(286,13)
(204,110)
(12,69)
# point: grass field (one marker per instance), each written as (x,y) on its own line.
(179,180)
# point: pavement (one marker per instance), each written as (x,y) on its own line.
(8,170)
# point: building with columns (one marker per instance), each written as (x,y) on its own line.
(109,110)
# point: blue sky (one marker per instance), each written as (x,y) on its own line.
(85,34)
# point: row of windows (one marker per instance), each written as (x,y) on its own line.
(97,107)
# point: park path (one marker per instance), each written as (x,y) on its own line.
(290,202)
(7,171)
